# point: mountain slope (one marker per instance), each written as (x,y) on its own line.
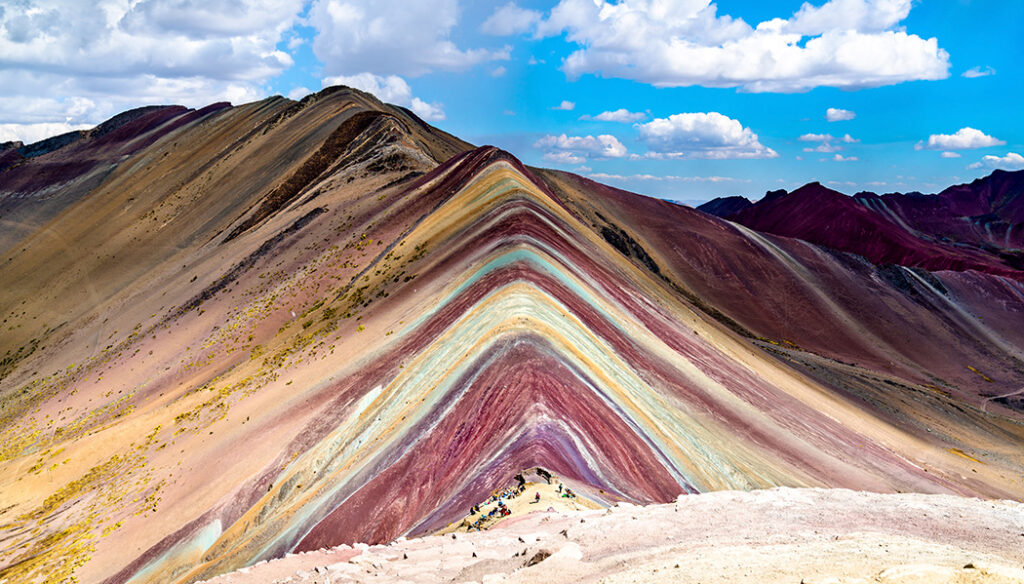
(298,325)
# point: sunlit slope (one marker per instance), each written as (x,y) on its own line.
(326,345)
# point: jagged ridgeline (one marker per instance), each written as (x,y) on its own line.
(241,331)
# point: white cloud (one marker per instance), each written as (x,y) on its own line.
(620,115)
(398,37)
(950,155)
(816,138)
(850,44)
(298,93)
(828,142)
(566,105)
(841,158)
(979,71)
(824,147)
(29,133)
(431,112)
(390,89)
(1012,161)
(220,39)
(861,15)
(701,135)
(499,71)
(603,146)
(964,139)
(510,19)
(564,157)
(66,61)
(833,114)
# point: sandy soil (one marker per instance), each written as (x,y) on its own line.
(781,535)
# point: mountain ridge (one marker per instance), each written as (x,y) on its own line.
(969,226)
(413,321)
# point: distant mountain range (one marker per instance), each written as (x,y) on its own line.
(977,226)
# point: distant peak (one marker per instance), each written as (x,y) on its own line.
(815,189)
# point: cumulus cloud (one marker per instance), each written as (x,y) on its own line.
(499,71)
(564,157)
(510,19)
(603,146)
(816,138)
(841,158)
(298,93)
(566,105)
(29,133)
(1012,161)
(833,114)
(391,37)
(106,56)
(979,71)
(390,89)
(950,155)
(825,147)
(219,39)
(827,142)
(620,115)
(708,135)
(964,139)
(850,44)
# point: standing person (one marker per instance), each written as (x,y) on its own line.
(536,497)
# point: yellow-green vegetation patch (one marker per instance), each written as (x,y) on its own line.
(49,543)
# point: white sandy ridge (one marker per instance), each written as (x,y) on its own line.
(773,536)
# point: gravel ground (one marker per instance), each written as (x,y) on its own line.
(780,535)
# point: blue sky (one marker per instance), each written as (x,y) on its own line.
(686,100)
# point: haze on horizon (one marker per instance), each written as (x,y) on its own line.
(684,100)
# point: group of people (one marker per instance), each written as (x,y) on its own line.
(509,493)
(566,493)
(500,510)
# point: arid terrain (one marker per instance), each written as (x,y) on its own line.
(242,332)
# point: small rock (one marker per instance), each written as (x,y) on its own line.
(565,532)
(538,558)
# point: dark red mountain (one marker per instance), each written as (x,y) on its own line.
(977,226)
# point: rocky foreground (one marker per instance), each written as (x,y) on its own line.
(778,535)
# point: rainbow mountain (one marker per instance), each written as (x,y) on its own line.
(238,332)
